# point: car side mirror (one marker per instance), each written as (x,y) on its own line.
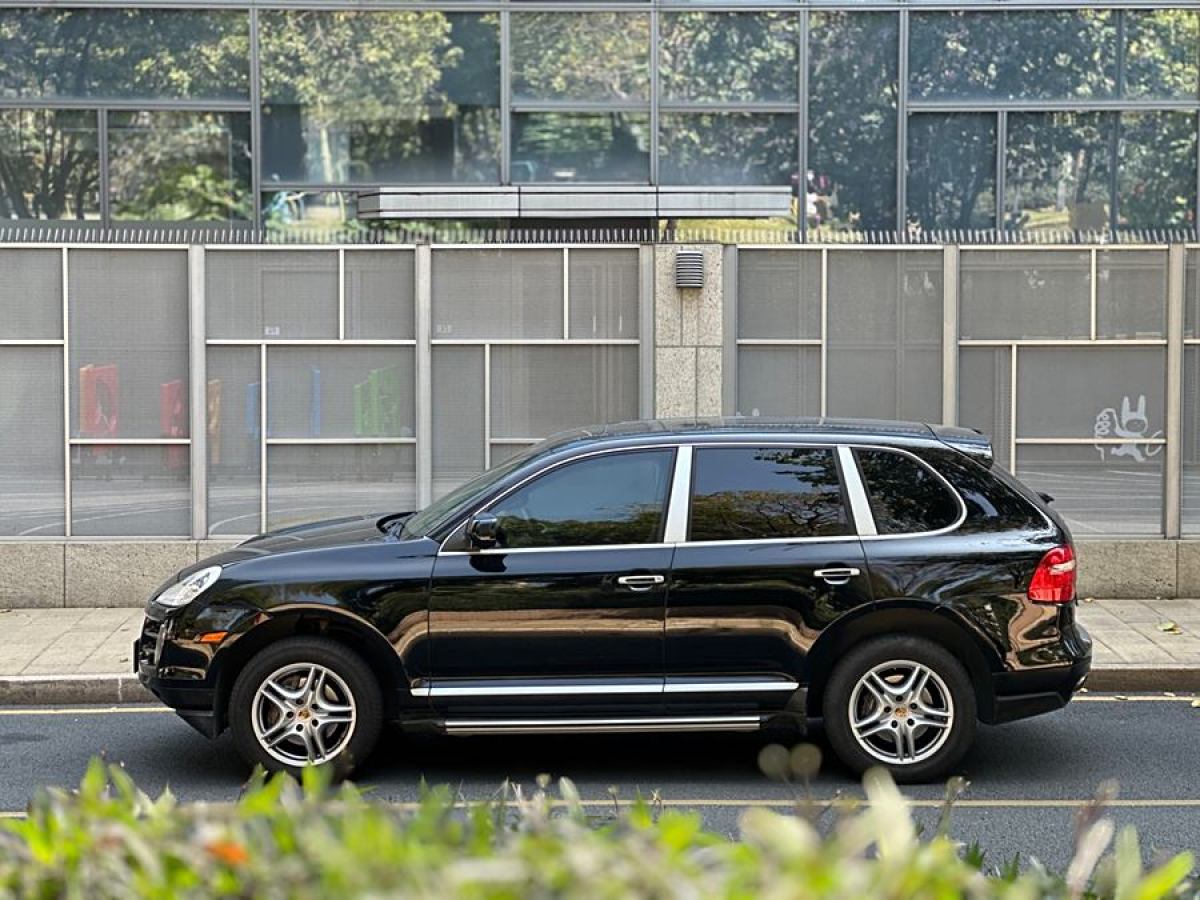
(483,531)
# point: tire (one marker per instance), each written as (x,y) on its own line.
(903,733)
(276,689)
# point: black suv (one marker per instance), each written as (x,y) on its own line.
(652,576)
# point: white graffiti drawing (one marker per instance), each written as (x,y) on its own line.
(1131,424)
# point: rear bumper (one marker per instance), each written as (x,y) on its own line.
(1031,692)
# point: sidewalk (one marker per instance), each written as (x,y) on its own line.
(85,655)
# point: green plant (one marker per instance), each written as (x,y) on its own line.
(284,839)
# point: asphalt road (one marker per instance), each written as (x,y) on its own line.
(1027,779)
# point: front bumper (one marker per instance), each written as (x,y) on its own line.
(193,699)
(1031,692)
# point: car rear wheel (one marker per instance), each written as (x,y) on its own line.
(903,703)
(306,701)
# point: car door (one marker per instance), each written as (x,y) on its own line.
(771,557)
(566,612)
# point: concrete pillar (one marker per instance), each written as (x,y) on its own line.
(688,336)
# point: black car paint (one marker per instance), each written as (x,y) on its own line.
(733,610)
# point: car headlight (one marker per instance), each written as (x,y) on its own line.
(189,588)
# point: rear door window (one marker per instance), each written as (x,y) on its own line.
(757,493)
(906,497)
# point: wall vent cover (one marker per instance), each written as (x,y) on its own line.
(689,269)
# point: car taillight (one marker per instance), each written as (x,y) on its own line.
(1054,580)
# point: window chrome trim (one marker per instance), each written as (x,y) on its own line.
(856,493)
(679,502)
(962,506)
(492,551)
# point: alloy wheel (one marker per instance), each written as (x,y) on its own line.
(901,712)
(303,714)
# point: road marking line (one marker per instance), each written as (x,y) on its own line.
(1130,698)
(82,710)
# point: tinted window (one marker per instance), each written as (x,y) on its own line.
(905,496)
(616,498)
(749,493)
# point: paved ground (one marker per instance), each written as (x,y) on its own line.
(42,642)
(1028,778)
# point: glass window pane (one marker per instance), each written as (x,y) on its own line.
(377,97)
(458,414)
(885,335)
(952,171)
(723,56)
(581,56)
(1057,171)
(307,484)
(905,496)
(604,289)
(727,148)
(779,294)
(49,164)
(1131,293)
(30,294)
(564,147)
(1191,439)
(309,210)
(234,432)
(125,53)
(497,294)
(380,294)
(179,166)
(1026,55)
(1115,392)
(537,391)
(779,381)
(1156,173)
(1015,294)
(340,392)
(129,370)
(853,63)
(31,442)
(617,498)
(271,294)
(1097,494)
(1160,53)
(753,493)
(128,491)
(985,396)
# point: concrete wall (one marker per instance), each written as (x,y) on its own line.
(43,574)
(688,335)
(123,573)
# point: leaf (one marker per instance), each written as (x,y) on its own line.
(1196,703)
(1169,628)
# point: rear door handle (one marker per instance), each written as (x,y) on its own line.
(640,582)
(837,575)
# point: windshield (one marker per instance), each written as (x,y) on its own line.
(432,515)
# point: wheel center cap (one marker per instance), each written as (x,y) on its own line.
(901,712)
(304,714)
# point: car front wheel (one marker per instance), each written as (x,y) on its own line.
(903,703)
(306,701)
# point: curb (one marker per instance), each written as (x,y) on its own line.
(50,690)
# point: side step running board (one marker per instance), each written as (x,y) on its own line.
(536,726)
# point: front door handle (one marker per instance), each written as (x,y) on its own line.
(640,582)
(837,575)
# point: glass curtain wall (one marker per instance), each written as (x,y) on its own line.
(908,117)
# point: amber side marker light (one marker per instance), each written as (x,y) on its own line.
(213,637)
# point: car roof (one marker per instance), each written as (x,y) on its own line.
(752,427)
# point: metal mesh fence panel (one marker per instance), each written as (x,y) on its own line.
(30,294)
(31,442)
(265,294)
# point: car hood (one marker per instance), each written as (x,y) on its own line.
(341,532)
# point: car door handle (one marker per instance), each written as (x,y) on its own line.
(640,582)
(837,575)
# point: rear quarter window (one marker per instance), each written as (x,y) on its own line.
(992,503)
(905,496)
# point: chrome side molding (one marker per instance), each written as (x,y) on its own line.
(606,725)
